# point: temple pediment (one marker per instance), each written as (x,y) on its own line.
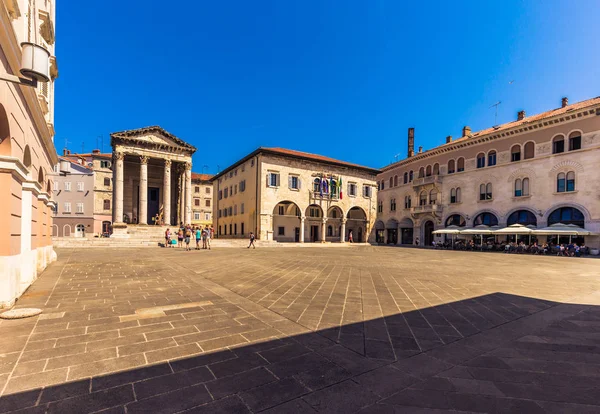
(151,137)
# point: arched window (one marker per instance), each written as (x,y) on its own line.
(433,194)
(515,153)
(558,144)
(456,220)
(410,176)
(458,197)
(525,187)
(451,167)
(391,182)
(491,158)
(382,184)
(405,178)
(529,150)
(480,160)
(407,202)
(27,156)
(317,185)
(487,219)
(567,215)
(561,183)
(436,169)
(518,187)
(428,171)
(395,181)
(421,172)
(571,181)
(460,164)
(453,196)
(41,176)
(524,217)
(423,198)
(574,141)
(329,231)
(485,191)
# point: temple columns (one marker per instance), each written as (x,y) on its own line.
(167,193)
(301,229)
(188,193)
(118,188)
(143,213)
(323,230)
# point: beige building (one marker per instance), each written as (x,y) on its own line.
(202,199)
(288,196)
(27,152)
(151,177)
(537,170)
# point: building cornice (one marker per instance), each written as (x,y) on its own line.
(506,133)
(12,52)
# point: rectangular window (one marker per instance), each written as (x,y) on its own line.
(67,186)
(281,231)
(242,229)
(230,228)
(314,212)
(242,211)
(273,179)
(230,211)
(242,186)
(67,207)
(235,189)
(558,146)
(515,156)
(55,185)
(107,181)
(225,193)
(235,210)
(235,225)
(206,203)
(366,191)
(80,186)
(79,207)
(294,181)
(220,194)
(282,210)
(207,190)
(196,216)
(196,189)
(197,202)
(352,189)
(106,204)
(224,212)
(206,216)
(219,214)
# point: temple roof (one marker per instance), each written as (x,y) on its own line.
(153,135)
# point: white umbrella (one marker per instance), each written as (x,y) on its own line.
(481,230)
(560,229)
(452,230)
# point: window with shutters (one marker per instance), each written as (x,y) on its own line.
(515,153)
(242,186)
(106,204)
(451,167)
(529,150)
(80,208)
(518,187)
(273,179)
(433,194)
(206,203)
(423,198)
(428,171)
(407,202)
(380,207)
(395,181)
(55,185)
(197,202)
(226,192)
(220,194)
(67,186)
(481,160)
(107,181)
(67,207)
(352,189)
(235,210)
(208,189)
(485,192)
(410,176)
(242,208)
(207,216)
(196,216)
(80,186)
(491,158)
(574,141)
(558,144)
(366,191)
(460,165)
(405,178)
(294,182)
(421,172)
(393,204)
(196,189)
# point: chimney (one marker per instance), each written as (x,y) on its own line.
(96,151)
(411,142)
(65,151)
(448,139)
(565,101)
(420,150)
(466,131)
(520,115)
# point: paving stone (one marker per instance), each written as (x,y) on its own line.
(64,391)
(341,398)
(233,384)
(296,406)
(129,376)
(273,394)
(231,404)
(172,353)
(93,402)
(170,382)
(237,365)
(172,402)
(385,381)
(106,366)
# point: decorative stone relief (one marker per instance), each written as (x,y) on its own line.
(470,164)
(590,139)
(542,149)
(503,157)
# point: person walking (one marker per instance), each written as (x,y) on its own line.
(208,236)
(188,236)
(350,238)
(252,238)
(168,238)
(205,233)
(198,237)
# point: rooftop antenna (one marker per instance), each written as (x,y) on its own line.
(496,112)
(396,157)
(67,143)
(82,146)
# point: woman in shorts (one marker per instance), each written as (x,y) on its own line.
(188,236)
(198,237)
(168,238)
(180,238)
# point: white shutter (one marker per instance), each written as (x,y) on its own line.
(289,181)
(268,179)
(278,176)
(299,183)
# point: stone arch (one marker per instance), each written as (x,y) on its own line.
(41,176)
(335,212)
(5,140)
(499,217)
(286,221)
(578,206)
(289,209)
(314,211)
(55,230)
(463,218)
(529,210)
(564,166)
(514,209)
(379,225)
(67,230)
(391,224)
(521,173)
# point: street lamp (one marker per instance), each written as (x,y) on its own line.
(35,66)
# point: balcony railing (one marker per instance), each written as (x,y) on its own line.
(432,179)
(428,208)
(326,196)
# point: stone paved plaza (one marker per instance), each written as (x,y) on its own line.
(305,329)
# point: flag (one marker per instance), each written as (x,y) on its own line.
(321,186)
(331,187)
(340,184)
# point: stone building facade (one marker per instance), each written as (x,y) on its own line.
(74,197)
(537,170)
(202,199)
(27,152)
(293,196)
(151,176)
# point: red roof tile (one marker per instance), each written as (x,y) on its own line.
(201,177)
(311,156)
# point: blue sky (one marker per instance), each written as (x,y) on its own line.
(339,78)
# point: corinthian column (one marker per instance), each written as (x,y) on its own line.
(167,193)
(323,231)
(143,213)
(343,231)
(118,187)
(188,192)
(301,229)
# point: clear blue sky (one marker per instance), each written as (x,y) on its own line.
(340,78)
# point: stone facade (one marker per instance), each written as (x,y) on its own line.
(510,155)
(202,199)
(271,192)
(27,152)
(151,176)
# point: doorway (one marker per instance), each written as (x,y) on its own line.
(360,235)
(80,230)
(297,234)
(314,234)
(428,233)
(392,236)
(407,235)
(153,204)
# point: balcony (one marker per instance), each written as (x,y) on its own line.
(432,179)
(316,195)
(428,208)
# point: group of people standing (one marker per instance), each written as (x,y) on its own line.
(186,233)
